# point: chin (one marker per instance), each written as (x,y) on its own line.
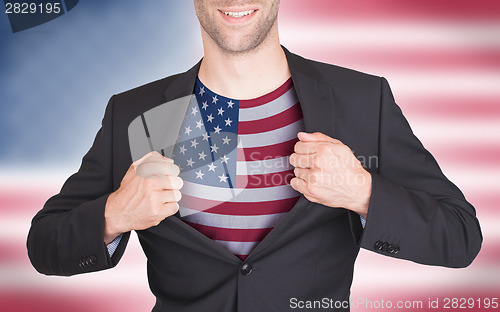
(240,44)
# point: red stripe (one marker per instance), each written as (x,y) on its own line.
(264,180)
(490,253)
(231,235)
(239,208)
(485,202)
(14,201)
(268,97)
(466,154)
(267,152)
(43,296)
(12,252)
(285,118)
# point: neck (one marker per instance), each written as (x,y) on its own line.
(244,75)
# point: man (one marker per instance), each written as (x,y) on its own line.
(247,254)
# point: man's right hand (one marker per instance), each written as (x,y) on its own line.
(148,193)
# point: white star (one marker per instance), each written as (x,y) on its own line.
(215,99)
(202,91)
(221,111)
(183,150)
(188,130)
(214,148)
(228,122)
(226,140)
(194,110)
(211,167)
(205,136)
(210,118)
(230,104)
(190,162)
(194,143)
(217,129)
(199,124)
(223,178)
(202,155)
(205,105)
(199,175)
(224,159)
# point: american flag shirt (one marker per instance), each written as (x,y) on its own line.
(233,156)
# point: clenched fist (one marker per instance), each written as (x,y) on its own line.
(148,193)
(327,172)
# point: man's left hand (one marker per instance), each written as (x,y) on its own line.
(328,173)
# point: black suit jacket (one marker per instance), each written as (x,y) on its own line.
(415,213)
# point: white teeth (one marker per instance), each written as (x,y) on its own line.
(239,14)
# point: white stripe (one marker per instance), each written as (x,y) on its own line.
(480,83)
(263,166)
(231,221)
(383,36)
(272,137)
(238,248)
(470,179)
(272,108)
(43,177)
(238,194)
(459,132)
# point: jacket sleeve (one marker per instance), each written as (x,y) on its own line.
(67,236)
(415,212)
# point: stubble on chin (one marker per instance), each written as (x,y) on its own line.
(242,43)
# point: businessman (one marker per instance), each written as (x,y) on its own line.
(305,200)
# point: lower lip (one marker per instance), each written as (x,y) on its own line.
(237,20)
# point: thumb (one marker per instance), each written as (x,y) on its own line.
(316,137)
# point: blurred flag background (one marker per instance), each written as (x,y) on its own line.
(442,59)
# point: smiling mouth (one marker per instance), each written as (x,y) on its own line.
(239,14)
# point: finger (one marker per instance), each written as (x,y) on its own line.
(132,170)
(150,155)
(170,196)
(303,147)
(316,137)
(312,147)
(302,161)
(157,169)
(171,208)
(302,173)
(157,157)
(172,183)
(301,186)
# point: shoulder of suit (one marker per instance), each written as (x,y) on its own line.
(154,88)
(335,74)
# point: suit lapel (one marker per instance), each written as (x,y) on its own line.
(182,84)
(316,98)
